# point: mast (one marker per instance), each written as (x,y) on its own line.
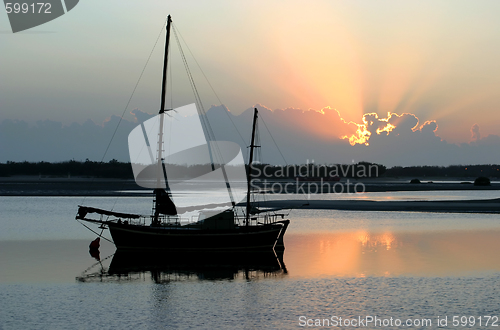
(250,161)
(162,201)
(159,173)
(165,62)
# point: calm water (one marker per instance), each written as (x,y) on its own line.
(336,263)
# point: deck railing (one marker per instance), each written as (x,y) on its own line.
(263,218)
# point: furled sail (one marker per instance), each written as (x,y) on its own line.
(164,204)
(84,210)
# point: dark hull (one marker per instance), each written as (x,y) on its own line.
(185,238)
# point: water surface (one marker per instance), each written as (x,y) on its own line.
(343,263)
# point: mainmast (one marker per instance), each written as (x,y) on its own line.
(159,174)
(165,63)
(162,195)
(250,161)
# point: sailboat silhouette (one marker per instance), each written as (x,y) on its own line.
(180,138)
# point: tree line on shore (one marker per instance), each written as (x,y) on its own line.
(123,170)
(111,169)
(453,171)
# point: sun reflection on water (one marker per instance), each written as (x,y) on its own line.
(363,253)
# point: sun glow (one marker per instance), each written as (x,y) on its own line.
(363,253)
(388,128)
(373,124)
(361,137)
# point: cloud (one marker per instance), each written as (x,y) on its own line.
(429,126)
(51,141)
(393,125)
(325,123)
(325,137)
(301,135)
(475,134)
(140,116)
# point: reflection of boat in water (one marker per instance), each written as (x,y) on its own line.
(133,265)
(218,224)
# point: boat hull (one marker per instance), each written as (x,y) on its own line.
(185,238)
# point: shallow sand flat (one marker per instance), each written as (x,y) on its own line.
(457,206)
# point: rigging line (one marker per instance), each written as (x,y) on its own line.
(205,123)
(213,90)
(130,99)
(259,158)
(171,80)
(169,139)
(138,155)
(262,118)
(191,82)
(100,235)
(202,112)
(170,86)
(97,263)
(133,91)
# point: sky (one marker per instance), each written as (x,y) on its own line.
(396,82)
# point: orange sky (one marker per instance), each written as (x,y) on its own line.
(436,60)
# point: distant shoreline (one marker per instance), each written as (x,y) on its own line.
(66,187)
(81,186)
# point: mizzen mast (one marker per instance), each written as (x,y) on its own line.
(250,161)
